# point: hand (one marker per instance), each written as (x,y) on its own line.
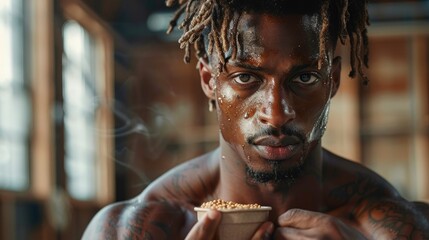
(302,224)
(206,228)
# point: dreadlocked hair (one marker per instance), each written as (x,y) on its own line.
(217,21)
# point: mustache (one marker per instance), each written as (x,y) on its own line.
(271,131)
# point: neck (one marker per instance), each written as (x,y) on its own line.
(304,192)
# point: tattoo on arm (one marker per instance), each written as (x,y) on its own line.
(141,221)
(398,218)
(381,212)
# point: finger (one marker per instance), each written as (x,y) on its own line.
(264,231)
(290,233)
(205,228)
(299,218)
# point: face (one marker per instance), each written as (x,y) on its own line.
(273,99)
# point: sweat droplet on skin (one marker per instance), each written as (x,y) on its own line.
(246,115)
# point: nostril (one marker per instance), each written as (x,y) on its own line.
(276,117)
(262,120)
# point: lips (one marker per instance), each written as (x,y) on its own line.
(276,148)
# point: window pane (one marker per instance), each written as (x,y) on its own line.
(14,104)
(79,108)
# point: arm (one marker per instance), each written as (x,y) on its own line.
(137,220)
(394,219)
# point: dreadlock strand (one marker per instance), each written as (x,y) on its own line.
(366,15)
(365,35)
(187,57)
(203,13)
(199,47)
(170,3)
(352,72)
(323,33)
(218,48)
(194,31)
(210,45)
(344,19)
(224,30)
(234,36)
(176,16)
(216,14)
(189,15)
(358,50)
(365,46)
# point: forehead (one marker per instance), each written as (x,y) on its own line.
(288,35)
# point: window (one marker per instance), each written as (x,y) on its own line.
(14,102)
(87,94)
(80,105)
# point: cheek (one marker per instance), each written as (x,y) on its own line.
(312,113)
(231,111)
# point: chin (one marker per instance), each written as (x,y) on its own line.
(276,172)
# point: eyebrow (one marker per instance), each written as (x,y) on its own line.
(293,69)
(245,65)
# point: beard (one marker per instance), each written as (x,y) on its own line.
(276,174)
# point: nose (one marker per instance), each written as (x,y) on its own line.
(276,110)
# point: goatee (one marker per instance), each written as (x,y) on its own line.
(276,174)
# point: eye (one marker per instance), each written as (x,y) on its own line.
(306,78)
(245,78)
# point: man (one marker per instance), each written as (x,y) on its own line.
(269,70)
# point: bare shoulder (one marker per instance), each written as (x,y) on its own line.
(348,180)
(360,195)
(190,182)
(164,210)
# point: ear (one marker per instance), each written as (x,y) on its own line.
(207,81)
(335,75)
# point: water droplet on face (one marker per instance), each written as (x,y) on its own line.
(229,119)
(223,157)
(246,115)
(220,100)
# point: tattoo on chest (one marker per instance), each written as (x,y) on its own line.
(360,188)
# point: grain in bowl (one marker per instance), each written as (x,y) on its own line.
(239,221)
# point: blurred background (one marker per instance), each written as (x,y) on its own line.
(96,102)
